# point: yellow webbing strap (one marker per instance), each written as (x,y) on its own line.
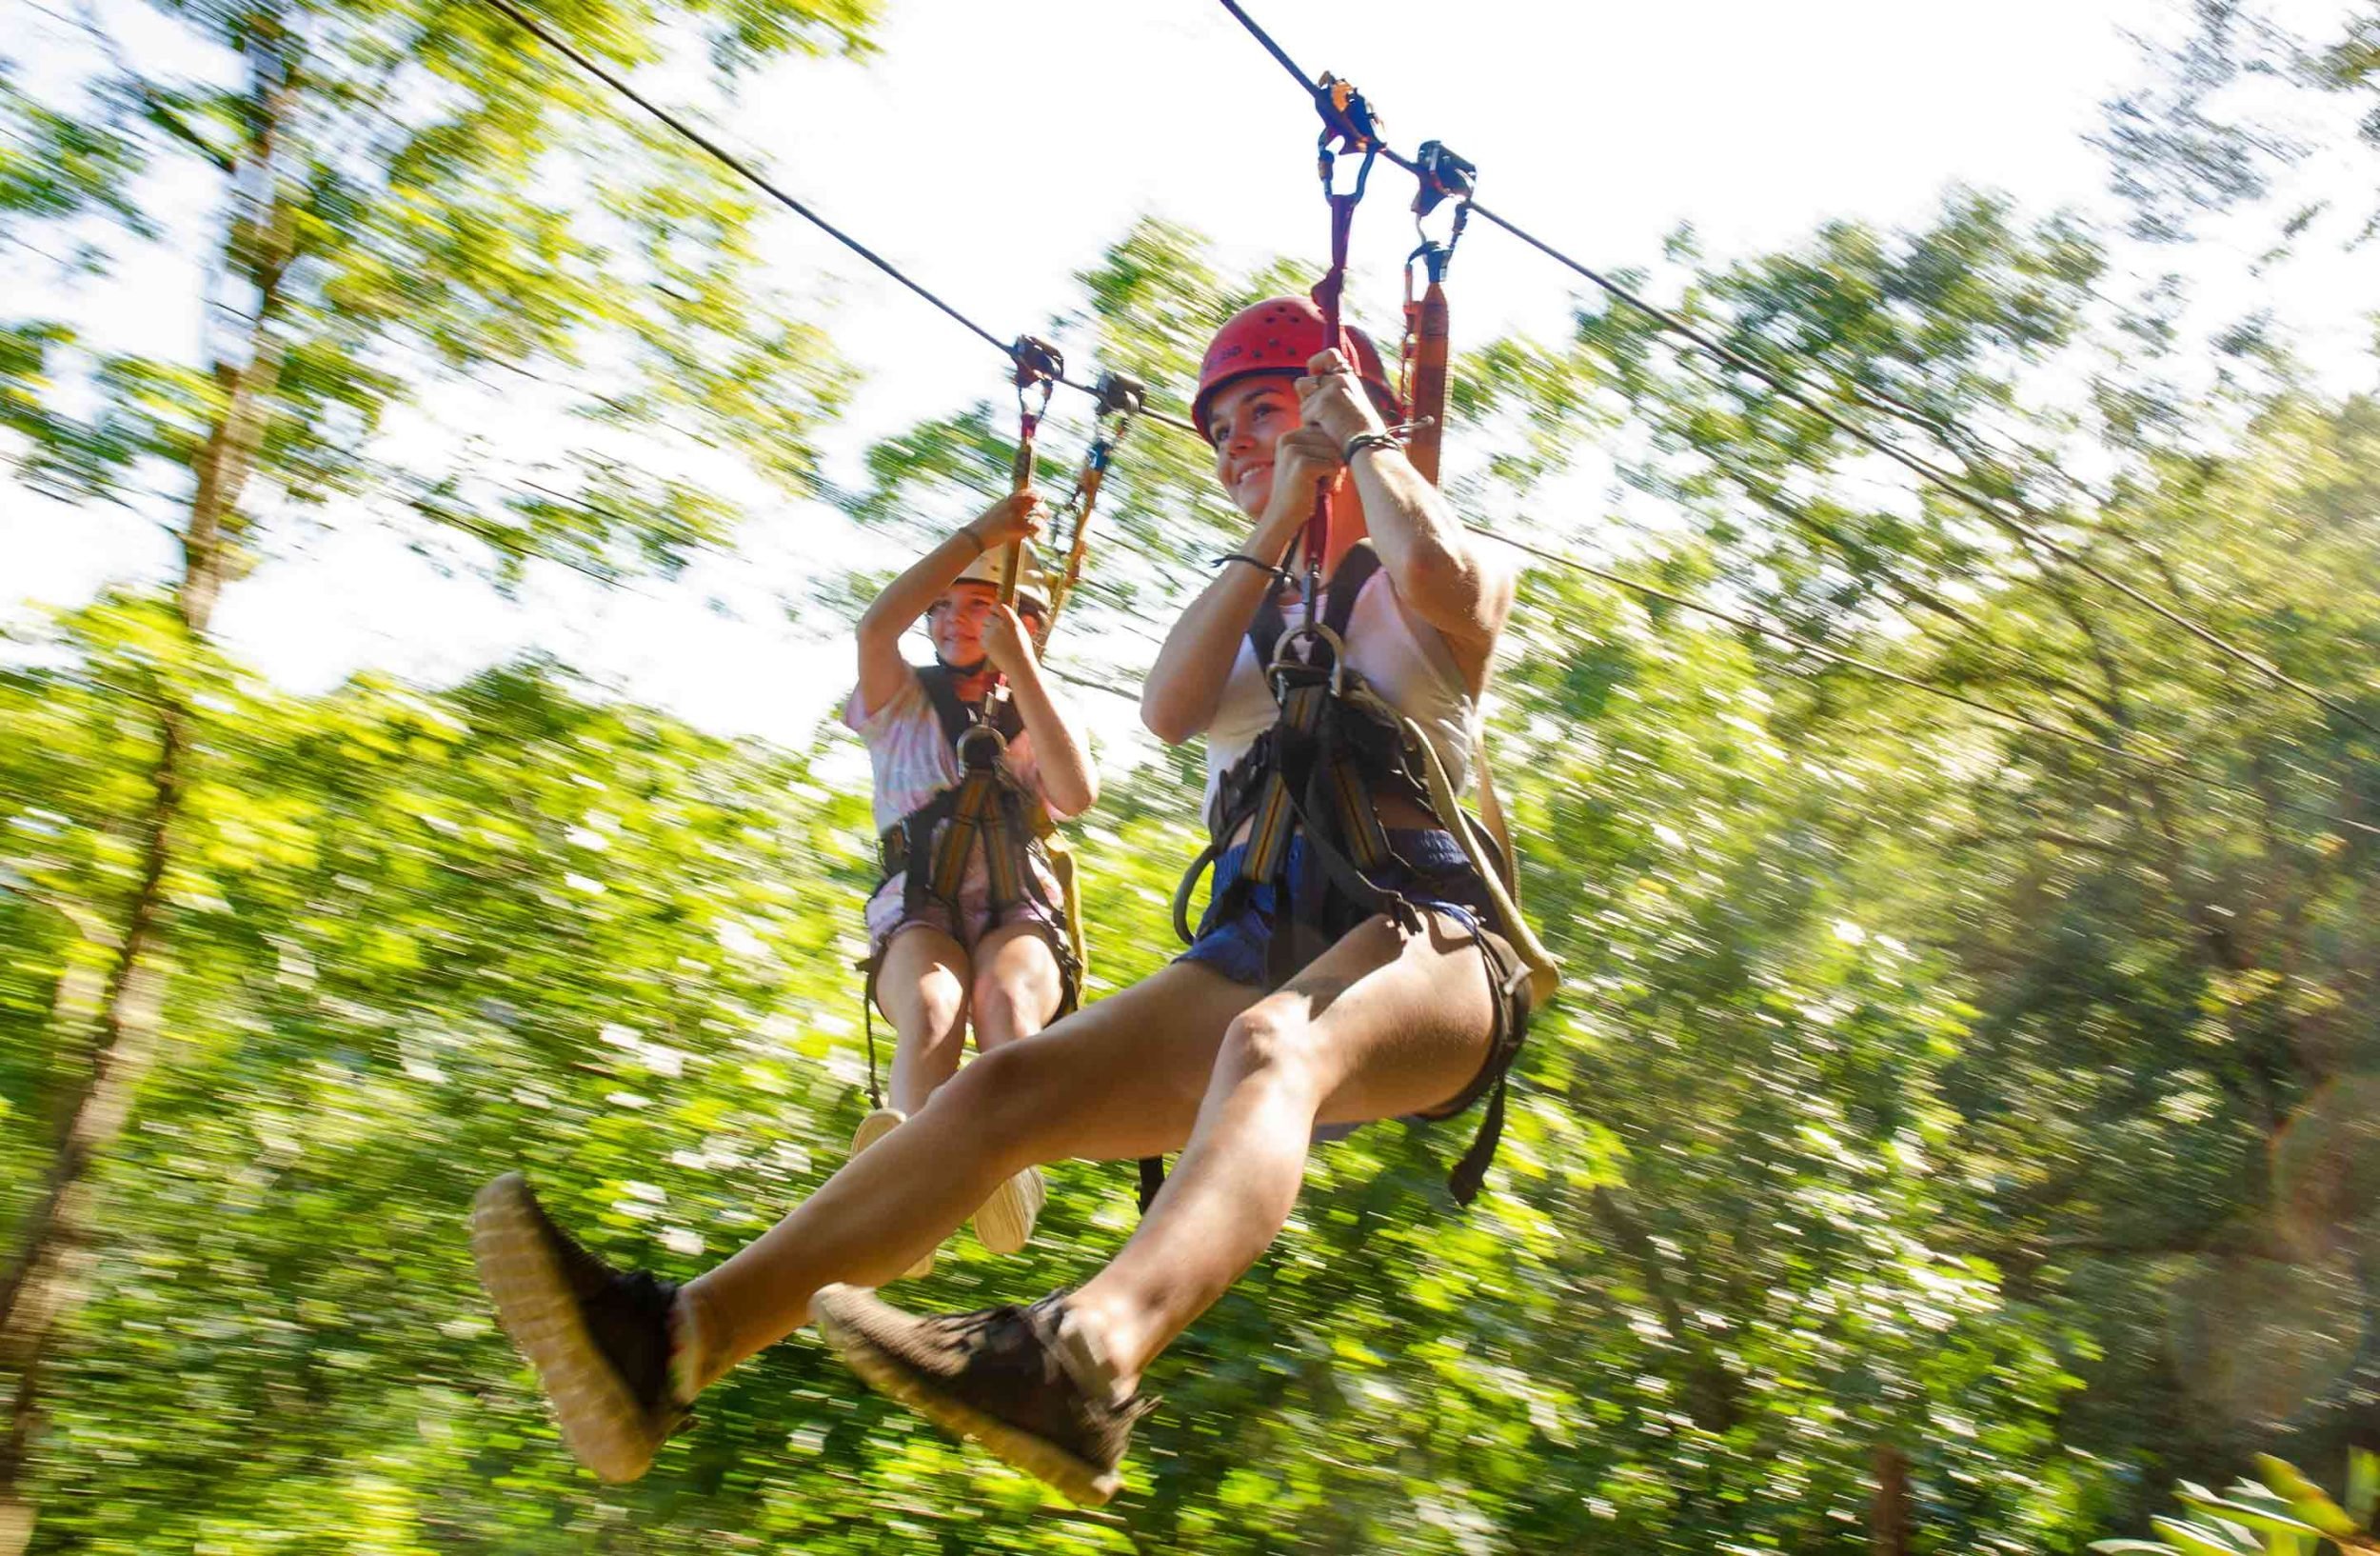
(1061,864)
(1359,820)
(1545,973)
(1492,817)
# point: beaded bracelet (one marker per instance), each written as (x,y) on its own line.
(1255,562)
(1387,437)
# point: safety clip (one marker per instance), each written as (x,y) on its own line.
(1038,364)
(1287,664)
(979,737)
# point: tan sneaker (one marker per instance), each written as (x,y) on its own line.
(1023,1382)
(597,1337)
(872,1128)
(1005,1224)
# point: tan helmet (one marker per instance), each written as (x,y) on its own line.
(1032,580)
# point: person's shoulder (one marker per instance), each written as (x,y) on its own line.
(908,695)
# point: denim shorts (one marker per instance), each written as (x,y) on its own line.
(1426,866)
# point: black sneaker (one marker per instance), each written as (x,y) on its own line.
(599,1337)
(1010,1378)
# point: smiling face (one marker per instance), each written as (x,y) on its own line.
(956,622)
(1245,419)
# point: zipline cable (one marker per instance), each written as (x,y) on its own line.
(1995,509)
(743,170)
(2010,715)
(1982,504)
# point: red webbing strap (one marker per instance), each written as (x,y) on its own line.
(1326,296)
(1427,406)
(1440,175)
(1347,125)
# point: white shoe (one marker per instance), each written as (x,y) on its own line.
(872,1128)
(1004,1224)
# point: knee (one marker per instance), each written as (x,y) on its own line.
(934,1003)
(1004,1093)
(1270,1039)
(1008,1008)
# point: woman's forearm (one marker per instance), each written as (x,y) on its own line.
(1185,686)
(1428,555)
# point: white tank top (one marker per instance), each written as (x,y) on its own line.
(1399,656)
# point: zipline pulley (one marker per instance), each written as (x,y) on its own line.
(1440,176)
(1117,399)
(1039,366)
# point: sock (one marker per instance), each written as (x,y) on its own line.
(690,1348)
(1086,1361)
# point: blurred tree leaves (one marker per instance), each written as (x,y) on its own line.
(1922,1084)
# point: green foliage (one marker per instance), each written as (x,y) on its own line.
(2281,1514)
(1922,1084)
(391,234)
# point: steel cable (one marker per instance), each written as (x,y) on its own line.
(1995,509)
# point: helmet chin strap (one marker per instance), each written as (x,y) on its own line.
(963,673)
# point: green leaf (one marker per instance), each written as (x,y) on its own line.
(2309,1501)
(2363,1484)
(2255,1518)
(2198,1539)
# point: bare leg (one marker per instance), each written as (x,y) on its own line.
(1017,985)
(923,990)
(1115,1080)
(1376,1026)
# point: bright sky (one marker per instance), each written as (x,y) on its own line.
(995,147)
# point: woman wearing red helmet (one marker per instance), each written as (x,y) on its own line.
(1297,1010)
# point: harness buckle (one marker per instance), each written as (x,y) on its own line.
(973,734)
(1319,633)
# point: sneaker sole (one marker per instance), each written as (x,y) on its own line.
(1083,1484)
(1005,1224)
(601,1422)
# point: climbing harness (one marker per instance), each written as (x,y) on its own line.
(1336,747)
(988,809)
(1316,777)
(1119,401)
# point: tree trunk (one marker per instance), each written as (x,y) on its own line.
(1887,1514)
(44,1279)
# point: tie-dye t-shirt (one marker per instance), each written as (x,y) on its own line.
(912,759)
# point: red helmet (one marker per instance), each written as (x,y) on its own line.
(1282,335)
